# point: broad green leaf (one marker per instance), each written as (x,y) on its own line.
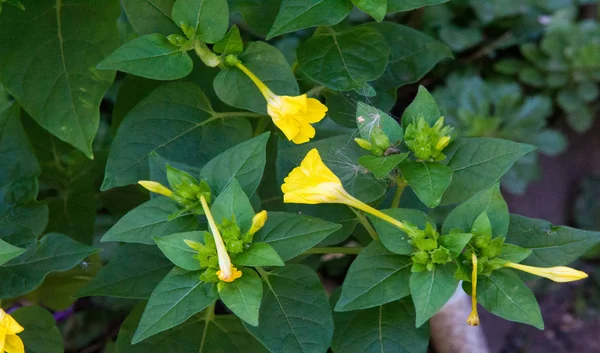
(244,162)
(134,272)
(335,213)
(177,297)
(295,316)
(478,163)
(430,290)
(393,238)
(258,254)
(489,201)
(340,154)
(41,334)
(177,251)
(423,105)
(269,65)
(407,5)
(132,90)
(151,56)
(172,121)
(344,60)
(504,294)
(233,203)
(230,44)
(49,67)
(9,252)
(20,225)
(258,15)
(455,242)
(387,328)
(369,117)
(55,252)
(292,234)
(209,19)
(381,167)
(298,14)
(151,16)
(412,54)
(243,296)
(375,8)
(550,245)
(428,180)
(377,276)
(148,220)
(342,105)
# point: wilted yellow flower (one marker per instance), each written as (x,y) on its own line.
(230,276)
(473,319)
(9,341)
(155,187)
(258,221)
(557,274)
(313,183)
(292,115)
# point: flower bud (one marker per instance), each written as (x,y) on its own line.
(177,39)
(557,273)
(364,144)
(258,221)
(156,188)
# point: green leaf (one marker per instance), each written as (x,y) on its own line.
(41,334)
(148,220)
(292,234)
(489,201)
(151,56)
(514,253)
(407,5)
(20,225)
(258,254)
(244,162)
(230,44)
(430,290)
(177,297)
(387,328)
(412,54)
(298,14)
(233,202)
(134,272)
(455,242)
(243,296)
(55,252)
(50,66)
(393,238)
(369,117)
(335,213)
(381,167)
(504,294)
(208,18)
(344,60)
(377,276)
(151,16)
(478,163)
(269,65)
(181,118)
(258,15)
(428,180)
(423,105)
(177,251)
(295,316)
(375,8)
(550,245)
(132,90)
(342,105)
(8,252)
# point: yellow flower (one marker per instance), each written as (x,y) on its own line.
(155,187)
(227,272)
(473,319)
(313,183)
(557,274)
(258,221)
(9,341)
(292,115)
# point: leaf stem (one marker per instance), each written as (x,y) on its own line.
(313,92)
(237,115)
(263,122)
(400,185)
(209,315)
(365,223)
(335,250)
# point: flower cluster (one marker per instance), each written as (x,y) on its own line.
(427,142)
(429,251)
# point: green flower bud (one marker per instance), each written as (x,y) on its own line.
(177,39)
(416,267)
(209,275)
(427,142)
(380,139)
(364,144)
(440,256)
(420,257)
(494,248)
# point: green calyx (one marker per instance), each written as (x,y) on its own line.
(378,144)
(428,251)
(427,142)
(187,190)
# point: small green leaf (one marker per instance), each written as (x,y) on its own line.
(258,254)
(177,297)
(430,290)
(504,294)
(377,276)
(381,167)
(428,180)
(369,117)
(393,238)
(455,242)
(243,296)
(407,5)
(230,44)
(233,202)
(375,8)
(177,251)
(514,253)
(208,19)
(41,334)
(423,105)
(9,252)
(148,220)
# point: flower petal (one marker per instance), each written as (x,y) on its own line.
(14,344)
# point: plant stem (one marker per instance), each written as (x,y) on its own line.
(237,115)
(400,185)
(263,122)
(208,317)
(313,92)
(365,223)
(334,250)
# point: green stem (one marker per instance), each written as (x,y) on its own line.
(365,223)
(263,122)
(209,315)
(206,55)
(400,185)
(313,92)
(237,115)
(335,250)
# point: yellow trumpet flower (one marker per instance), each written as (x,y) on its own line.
(313,183)
(155,187)
(557,273)
(258,221)
(226,273)
(473,319)
(292,115)
(9,341)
